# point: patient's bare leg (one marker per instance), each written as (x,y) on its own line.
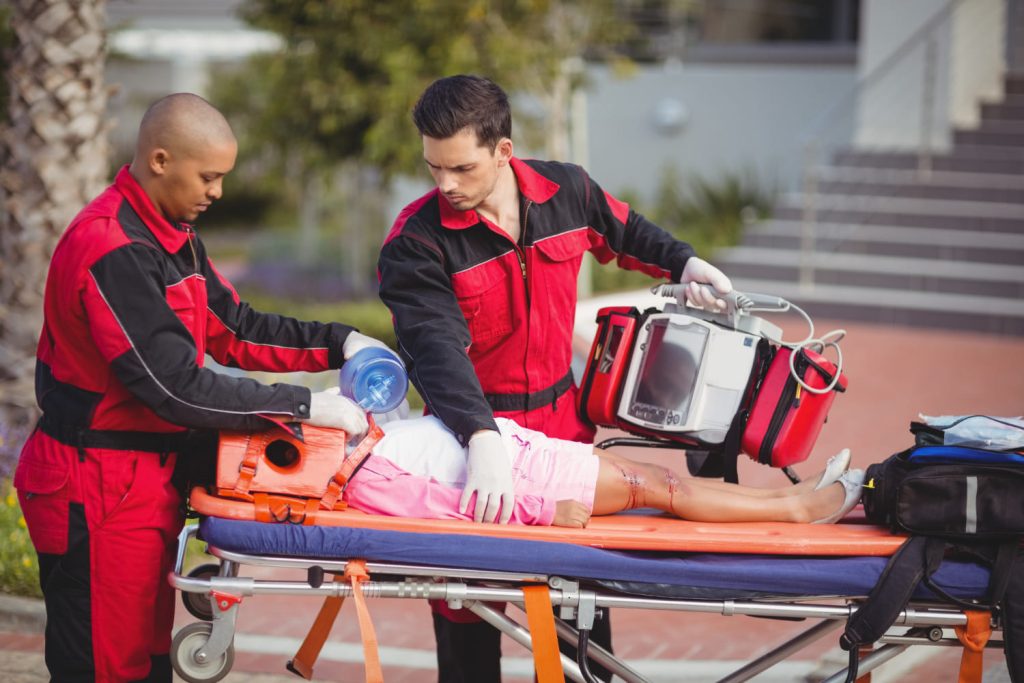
(624,485)
(804,486)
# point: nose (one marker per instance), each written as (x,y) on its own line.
(216,189)
(446,182)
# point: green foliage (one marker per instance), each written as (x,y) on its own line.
(19,566)
(350,71)
(707,214)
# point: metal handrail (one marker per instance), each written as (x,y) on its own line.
(813,139)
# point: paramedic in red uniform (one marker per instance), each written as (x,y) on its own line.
(480,276)
(132,307)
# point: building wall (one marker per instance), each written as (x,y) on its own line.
(711,120)
(914,100)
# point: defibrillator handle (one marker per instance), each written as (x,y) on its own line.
(735,301)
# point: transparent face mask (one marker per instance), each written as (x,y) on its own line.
(979,431)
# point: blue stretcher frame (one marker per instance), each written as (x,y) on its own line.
(469,571)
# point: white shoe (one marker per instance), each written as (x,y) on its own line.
(853,484)
(834,468)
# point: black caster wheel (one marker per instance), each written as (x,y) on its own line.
(198,604)
(187,642)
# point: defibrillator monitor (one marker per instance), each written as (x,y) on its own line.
(686,375)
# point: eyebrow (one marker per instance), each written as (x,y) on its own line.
(456,168)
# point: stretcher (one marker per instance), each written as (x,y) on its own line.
(561,578)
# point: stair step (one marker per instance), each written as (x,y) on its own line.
(901,211)
(920,309)
(899,274)
(982,136)
(1013,84)
(1012,127)
(1013,99)
(973,159)
(1002,112)
(899,176)
(890,240)
(922,191)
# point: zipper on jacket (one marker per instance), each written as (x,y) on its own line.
(195,259)
(787,401)
(522,241)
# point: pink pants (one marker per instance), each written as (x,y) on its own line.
(419,470)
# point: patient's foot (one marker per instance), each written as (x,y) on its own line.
(834,468)
(845,495)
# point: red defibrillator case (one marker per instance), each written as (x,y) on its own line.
(709,381)
(786,418)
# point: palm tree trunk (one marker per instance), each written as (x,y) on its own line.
(53,160)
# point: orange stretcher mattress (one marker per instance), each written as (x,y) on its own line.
(620,532)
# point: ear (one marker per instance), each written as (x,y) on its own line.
(503,151)
(159,159)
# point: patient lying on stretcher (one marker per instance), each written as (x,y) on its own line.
(418,470)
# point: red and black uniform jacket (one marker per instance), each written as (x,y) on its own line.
(132,307)
(478,315)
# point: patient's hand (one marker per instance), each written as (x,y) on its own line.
(571,513)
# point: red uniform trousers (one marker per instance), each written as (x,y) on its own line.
(105,527)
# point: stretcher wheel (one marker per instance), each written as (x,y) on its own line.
(187,642)
(198,604)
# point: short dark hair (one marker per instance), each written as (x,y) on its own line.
(451,104)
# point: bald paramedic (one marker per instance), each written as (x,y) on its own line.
(132,307)
(480,276)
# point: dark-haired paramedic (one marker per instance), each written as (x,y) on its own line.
(132,306)
(480,276)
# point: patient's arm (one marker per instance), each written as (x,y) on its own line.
(571,513)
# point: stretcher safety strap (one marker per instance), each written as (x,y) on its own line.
(351,463)
(541,619)
(284,509)
(255,445)
(974,637)
(303,661)
(355,571)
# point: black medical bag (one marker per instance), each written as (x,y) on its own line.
(957,499)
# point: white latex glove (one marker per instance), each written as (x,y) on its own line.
(489,475)
(330,409)
(356,342)
(699,272)
(399,413)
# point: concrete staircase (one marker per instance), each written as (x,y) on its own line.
(944,249)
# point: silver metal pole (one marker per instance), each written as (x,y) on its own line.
(924,155)
(809,226)
(519,634)
(783,651)
(600,655)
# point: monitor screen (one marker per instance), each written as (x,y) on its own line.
(668,373)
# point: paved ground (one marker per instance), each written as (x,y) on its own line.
(894,374)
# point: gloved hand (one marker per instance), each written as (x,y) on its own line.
(399,413)
(489,475)
(699,272)
(356,342)
(330,409)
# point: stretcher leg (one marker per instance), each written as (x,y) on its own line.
(783,651)
(600,655)
(519,634)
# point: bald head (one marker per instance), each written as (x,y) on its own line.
(182,123)
(184,149)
